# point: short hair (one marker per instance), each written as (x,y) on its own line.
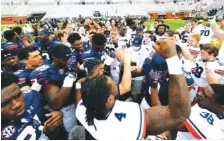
(178,34)
(148,32)
(95,96)
(99,39)
(210,49)
(61,34)
(170,33)
(196,36)
(187,22)
(24,52)
(8,34)
(73,37)
(92,32)
(17,29)
(8,78)
(194,20)
(91,65)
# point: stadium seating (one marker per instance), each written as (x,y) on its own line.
(73,8)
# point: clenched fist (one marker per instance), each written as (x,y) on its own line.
(166,48)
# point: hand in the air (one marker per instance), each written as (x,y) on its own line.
(166,48)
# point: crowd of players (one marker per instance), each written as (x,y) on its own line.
(113,80)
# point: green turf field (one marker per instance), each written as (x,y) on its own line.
(172,23)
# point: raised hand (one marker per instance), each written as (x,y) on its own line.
(166,48)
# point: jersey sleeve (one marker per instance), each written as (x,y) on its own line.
(23,38)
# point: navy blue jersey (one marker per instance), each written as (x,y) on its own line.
(12,45)
(78,55)
(56,77)
(54,43)
(92,54)
(86,46)
(23,38)
(33,74)
(24,77)
(30,125)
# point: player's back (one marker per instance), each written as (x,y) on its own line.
(126,121)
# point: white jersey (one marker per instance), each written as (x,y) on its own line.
(187,65)
(194,50)
(184,37)
(206,35)
(115,70)
(126,121)
(221,54)
(199,72)
(149,49)
(130,33)
(123,41)
(202,124)
(197,29)
(138,56)
(158,37)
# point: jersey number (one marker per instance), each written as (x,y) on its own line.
(119,116)
(184,38)
(198,71)
(29,133)
(46,56)
(207,116)
(205,32)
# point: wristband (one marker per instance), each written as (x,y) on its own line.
(68,81)
(78,86)
(36,86)
(174,65)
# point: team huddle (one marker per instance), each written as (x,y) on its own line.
(113,80)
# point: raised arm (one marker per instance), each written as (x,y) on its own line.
(217,31)
(163,118)
(125,85)
(185,51)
